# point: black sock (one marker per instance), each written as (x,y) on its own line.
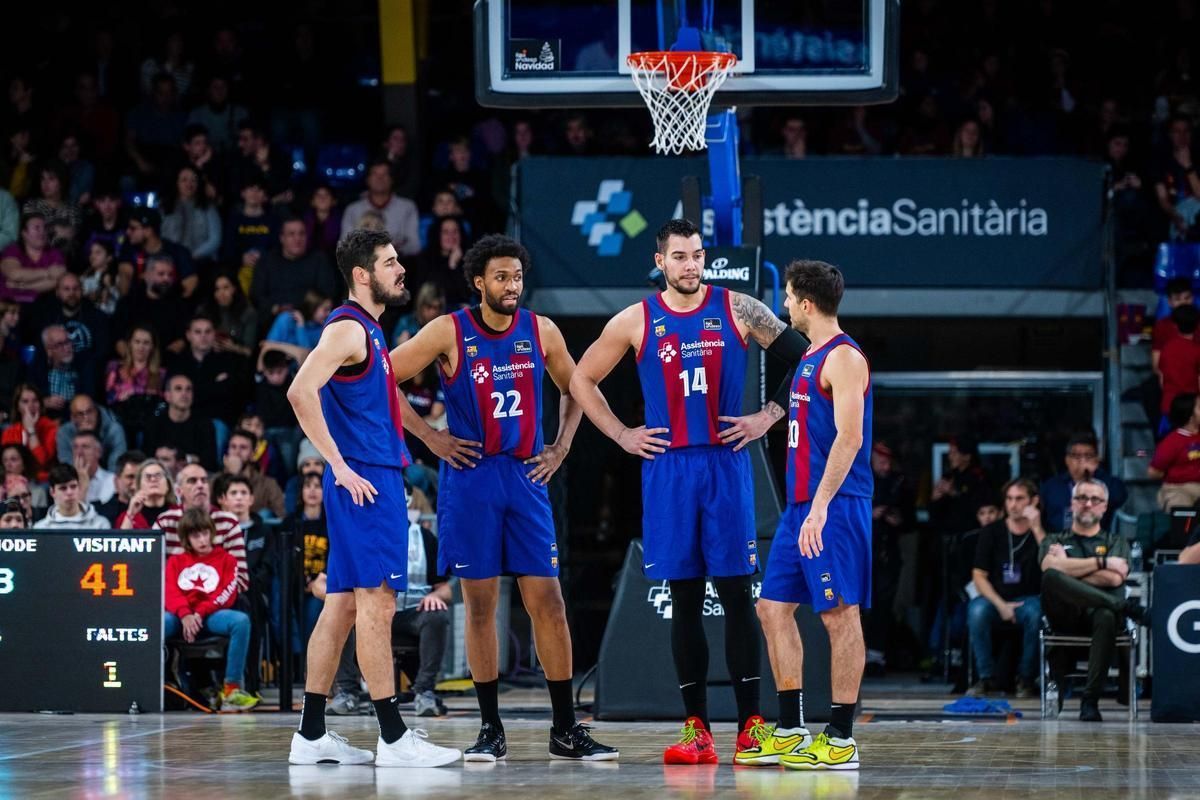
(563,704)
(312,716)
(743,643)
(791,708)
(841,720)
(387,713)
(689,645)
(488,695)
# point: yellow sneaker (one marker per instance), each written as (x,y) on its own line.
(238,700)
(766,745)
(825,752)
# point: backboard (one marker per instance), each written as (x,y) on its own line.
(571,53)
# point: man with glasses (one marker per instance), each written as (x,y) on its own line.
(87,416)
(1083,586)
(194,491)
(1083,462)
(58,375)
(16,488)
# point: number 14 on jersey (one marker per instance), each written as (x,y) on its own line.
(694,381)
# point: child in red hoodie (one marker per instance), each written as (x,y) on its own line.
(201,586)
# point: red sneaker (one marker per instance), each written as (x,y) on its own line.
(695,745)
(751,737)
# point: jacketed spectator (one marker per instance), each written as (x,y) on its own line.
(190,219)
(282,276)
(258,158)
(154,129)
(271,403)
(194,491)
(19,462)
(1176,460)
(87,327)
(190,610)
(85,415)
(56,372)
(429,305)
(219,378)
(144,241)
(97,484)
(1082,460)
(440,262)
(99,280)
(323,221)
(1083,588)
(218,115)
(125,485)
(250,229)
(69,510)
(153,493)
(81,173)
(400,215)
(176,424)
(32,428)
(239,461)
(235,319)
(198,153)
(1177,184)
(1178,293)
(134,382)
(961,489)
(157,301)
(30,266)
(1007,575)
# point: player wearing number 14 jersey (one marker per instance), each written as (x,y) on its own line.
(697,495)
(494,514)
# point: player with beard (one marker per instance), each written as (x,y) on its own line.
(346,402)
(691,343)
(494,517)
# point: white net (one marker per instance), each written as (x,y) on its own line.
(678,88)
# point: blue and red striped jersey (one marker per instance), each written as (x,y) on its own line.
(811,430)
(495,393)
(692,366)
(360,406)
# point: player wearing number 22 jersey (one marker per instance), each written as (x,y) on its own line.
(494,515)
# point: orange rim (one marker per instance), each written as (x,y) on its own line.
(663,60)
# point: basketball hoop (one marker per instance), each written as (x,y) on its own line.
(678,88)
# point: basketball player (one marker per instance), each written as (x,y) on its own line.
(494,518)
(821,555)
(697,494)
(347,404)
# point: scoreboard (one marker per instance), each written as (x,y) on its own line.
(81,620)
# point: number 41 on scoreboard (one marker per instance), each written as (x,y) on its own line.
(93,581)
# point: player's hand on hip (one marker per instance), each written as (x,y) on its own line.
(359,487)
(548,461)
(456,452)
(643,441)
(744,430)
(810,534)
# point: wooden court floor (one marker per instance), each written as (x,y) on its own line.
(192,757)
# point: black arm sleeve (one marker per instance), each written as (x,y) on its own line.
(780,398)
(789,346)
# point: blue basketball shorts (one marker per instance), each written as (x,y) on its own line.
(698,514)
(368,544)
(843,569)
(493,520)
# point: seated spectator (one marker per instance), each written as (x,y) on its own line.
(52,201)
(283,277)
(968,140)
(1176,459)
(323,221)
(193,490)
(171,61)
(81,173)
(172,458)
(33,428)
(1178,293)
(125,484)
(219,378)
(235,497)
(270,395)
(190,219)
(99,280)
(103,222)
(19,462)
(19,488)
(154,129)
(1179,361)
(1082,460)
(987,513)
(30,266)
(210,168)
(17,159)
(256,156)
(85,324)
(69,510)
(153,493)
(1177,185)
(133,383)
(296,332)
(441,262)
(12,516)
(240,462)
(87,416)
(308,462)
(143,241)
(445,204)
(155,301)
(190,610)
(429,305)
(395,150)
(472,187)
(422,612)
(93,117)
(401,219)
(307,524)
(57,373)
(1083,586)
(250,230)
(1008,578)
(235,319)
(97,484)
(219,117)
(177,425)
(267,456)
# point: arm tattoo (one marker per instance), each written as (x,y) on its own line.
(764,326)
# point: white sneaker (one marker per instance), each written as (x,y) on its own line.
(414,749)
(331,748)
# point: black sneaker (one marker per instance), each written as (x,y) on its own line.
(1136,612)
(577,744)
(490,746)
(1089,710)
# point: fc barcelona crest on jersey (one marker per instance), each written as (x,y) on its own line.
(660,330)
(472,351)
(829,594)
